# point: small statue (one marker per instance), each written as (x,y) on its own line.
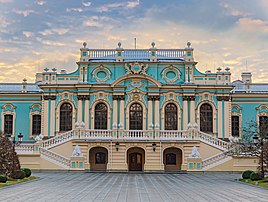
(39,138)
(195,153)
(77,151)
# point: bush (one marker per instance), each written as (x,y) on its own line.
(246,174)
(27,171)
(256,176)
(3,179)
(18,174)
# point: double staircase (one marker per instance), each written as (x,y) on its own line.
(46,145)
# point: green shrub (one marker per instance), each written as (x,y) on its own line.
(256,176)
(246,174)
(3,179)
(27,171)
(18,174)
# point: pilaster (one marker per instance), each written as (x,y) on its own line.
(185,112)
(87,112)
(223,114)
(52,116)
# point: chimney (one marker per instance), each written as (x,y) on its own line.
(246,77)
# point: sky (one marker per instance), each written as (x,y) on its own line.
(35,34)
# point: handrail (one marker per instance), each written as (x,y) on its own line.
(214,141)
(54,156)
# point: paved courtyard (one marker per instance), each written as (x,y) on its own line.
(133,187)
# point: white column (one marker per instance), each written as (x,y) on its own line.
(157,112)
(192,110)
(219,118)
(85,74)
(87,113)
(52,118)
(45,118)
(150,112)
(185,113)
(115,121)
(122,113)
(79,113)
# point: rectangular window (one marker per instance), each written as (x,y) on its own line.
(8,124)
(235,126)
(36,125)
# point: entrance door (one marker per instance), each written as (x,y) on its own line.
(135,162)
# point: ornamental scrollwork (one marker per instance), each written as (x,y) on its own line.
(136,68)
(101,74)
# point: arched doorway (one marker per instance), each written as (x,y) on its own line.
(135,117)
(66,115)
(206,118)
(135,159)
(98,158)
(172,159)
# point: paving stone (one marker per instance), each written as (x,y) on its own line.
(113,187)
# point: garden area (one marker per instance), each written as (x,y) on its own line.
(10,170)
(254,178)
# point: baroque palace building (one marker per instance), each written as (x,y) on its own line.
(132,110)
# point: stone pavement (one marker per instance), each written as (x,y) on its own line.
(79,186)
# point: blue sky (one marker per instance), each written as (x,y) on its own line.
(46,33)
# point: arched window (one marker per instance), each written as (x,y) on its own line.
(263,125)
(8,124)
(36,125)
(66,115)
(206,118)
(135,117)
(101,116)
(235,126)
(171,117)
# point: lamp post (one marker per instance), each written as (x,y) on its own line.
(13,140)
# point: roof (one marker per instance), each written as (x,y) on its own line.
(17,88)
(241,87)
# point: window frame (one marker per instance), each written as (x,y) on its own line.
(66,117)
(206,113)
(171,117)
(101,117)
(136,116)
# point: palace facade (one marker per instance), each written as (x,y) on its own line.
(132,110)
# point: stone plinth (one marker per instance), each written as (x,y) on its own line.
(77,163)
(194,164)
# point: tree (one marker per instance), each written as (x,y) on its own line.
(254,142)
(9,161)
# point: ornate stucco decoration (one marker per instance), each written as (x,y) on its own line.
(36,108)
(8,107)
(136,68)
(101,96)
(67,97)
(136,83)
(136,95)
(170,97)
(171,74)
(101,74)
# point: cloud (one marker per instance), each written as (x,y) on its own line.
(253,25)
(3,22)
(79,10)
(57,31)
(25,13)
(6,1)
(123,5)
(52,43)
(91,23)
(27,34)
(87,4)
(40,3)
